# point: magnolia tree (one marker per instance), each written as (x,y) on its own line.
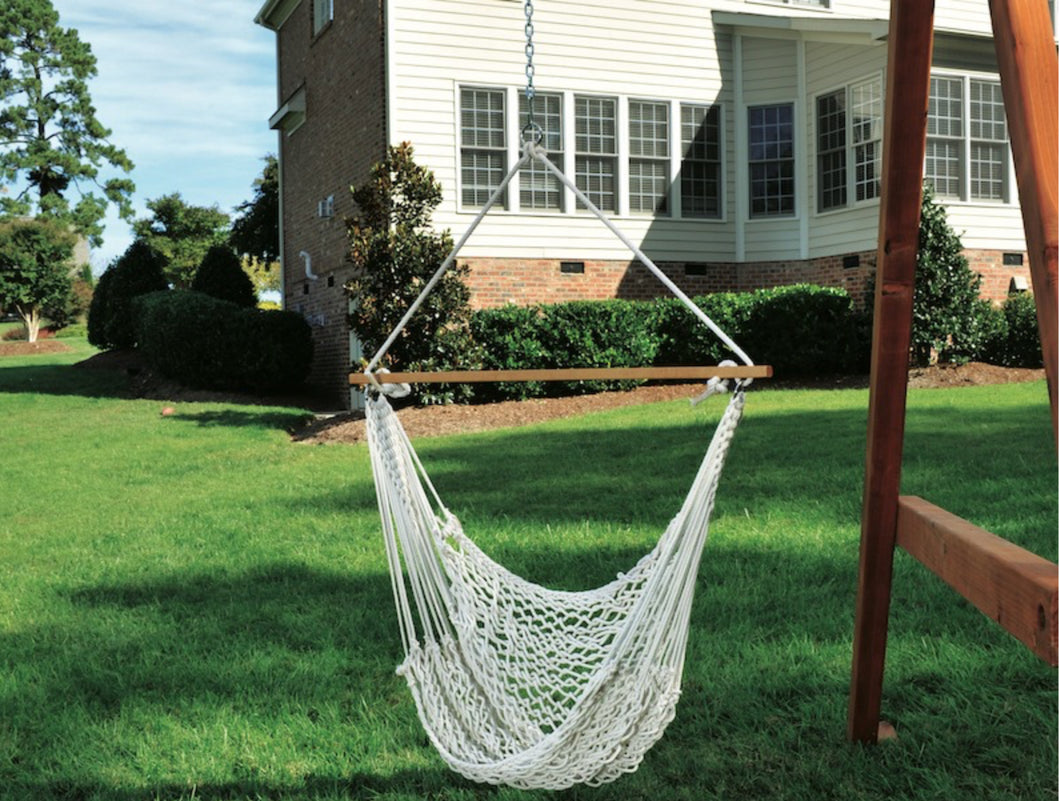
(395,252)
(35,269)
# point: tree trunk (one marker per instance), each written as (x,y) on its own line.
(31,319)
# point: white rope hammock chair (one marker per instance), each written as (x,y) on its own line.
(515,683)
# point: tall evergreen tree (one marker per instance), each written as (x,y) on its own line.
(53,148)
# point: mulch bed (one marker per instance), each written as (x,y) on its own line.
(433,421)
(18,348)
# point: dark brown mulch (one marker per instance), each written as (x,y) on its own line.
(434,421)
(20,348)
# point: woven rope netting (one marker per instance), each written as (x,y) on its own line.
(519,684)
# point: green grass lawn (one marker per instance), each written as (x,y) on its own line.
(193,607)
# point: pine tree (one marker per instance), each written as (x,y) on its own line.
(51,142)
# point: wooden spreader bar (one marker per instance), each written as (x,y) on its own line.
(568,374)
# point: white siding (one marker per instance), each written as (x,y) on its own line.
(770,75)
(972,16)
(830,67)
(658,50)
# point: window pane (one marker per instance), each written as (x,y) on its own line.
(648,186)
(483,153)
(701,165)
(945,105)
(594,123)
(831,151)
(942,167)
(481,173)
(649,129)
(596,178)
(538,188)
(987,111)
(866,112)
(595,148)
(772,166)
(988,171)
(649,148)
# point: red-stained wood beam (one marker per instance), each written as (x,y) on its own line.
(909,48)
(1005,582)
(1026,57)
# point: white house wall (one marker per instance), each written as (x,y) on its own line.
(636,49)
(829,67)
(624,50)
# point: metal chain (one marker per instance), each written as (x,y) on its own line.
(531,131)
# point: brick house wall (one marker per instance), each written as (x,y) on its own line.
(342,71)
(496,282)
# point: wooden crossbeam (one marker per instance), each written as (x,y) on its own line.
(1007,583)
(568,374)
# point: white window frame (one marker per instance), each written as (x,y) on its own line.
(585,154)
(561,147)
(965,144)
(642,163)
(851,147)
(534,178)
(792,159)
(467,148)
(683,158)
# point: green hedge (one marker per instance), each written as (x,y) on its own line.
(206,342)
(800,330)
(1014,340)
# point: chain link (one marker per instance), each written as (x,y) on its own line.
(531,130)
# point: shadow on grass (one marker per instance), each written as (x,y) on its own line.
(63,379)
(289,421)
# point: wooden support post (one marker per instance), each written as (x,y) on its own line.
(909,47)
(1007,583)
(1026,56)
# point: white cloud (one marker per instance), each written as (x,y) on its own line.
(186,90)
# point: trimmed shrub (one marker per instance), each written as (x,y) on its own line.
(685,339)
(220,275)
(800,330)
(804,330)
(946,291)
(205,342)
(612,333)
(138,271)
(1015,342)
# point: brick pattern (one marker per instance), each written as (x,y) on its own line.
(997,276)
(341,68)
(496,282)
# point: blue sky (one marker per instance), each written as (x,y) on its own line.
(187,90)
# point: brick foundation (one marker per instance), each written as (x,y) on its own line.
(496,282)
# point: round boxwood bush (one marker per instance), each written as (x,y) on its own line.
(138,271)
(220,275)
(202,341)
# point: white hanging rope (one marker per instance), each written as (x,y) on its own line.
(532,151)
(540,155)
